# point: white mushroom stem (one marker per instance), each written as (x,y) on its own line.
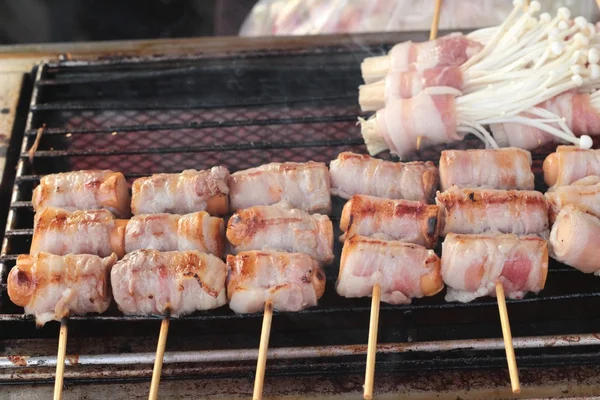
(482,35)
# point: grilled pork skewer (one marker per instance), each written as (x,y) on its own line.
(150,282)
(569,164)
(281,227)
(522,212)
(472,265)
(584,193)
(303,185)
(61,232)
(84,190)
(288,281)
(53,287)
(186,192)
(508,168)
(406,220)
(402,270)
(360,174)
(573,239)
(449,50)
(170,232)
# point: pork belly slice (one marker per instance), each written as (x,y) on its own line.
(281,227)
(84,190)
(574,239)
(403,270)
(584,193)
(61,232)
(449,50)
(360,174)
(522,212)
(473,264)
(52,287)
(303,185)
(290,281)
(406,220)
(508,168)
(150,282)
(407,84)
(183,193)
(569,164)
(171,232)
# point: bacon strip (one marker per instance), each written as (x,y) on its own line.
(574,239)
(403,270)
(183,193)
(360,174)
(61,232)
(409,221)
(170,232)
(473,264)
(290,281)
(302,185)
(522,212)
(84,190)
(52,287)
(508,168)
(148,282)
(569,164)
(281,227)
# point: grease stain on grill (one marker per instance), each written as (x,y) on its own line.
(73,359)
(18,360)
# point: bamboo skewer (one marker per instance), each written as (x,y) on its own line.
(372,346)
(508,344)
(261,363)
(60,359)
(436,20)
(160,353)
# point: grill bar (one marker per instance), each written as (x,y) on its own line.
(208,356)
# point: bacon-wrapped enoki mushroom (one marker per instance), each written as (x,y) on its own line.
(403,270)
(522,212)
(473,264)
(585,193)
(84,190)
(569,164)
(281,227)
(580,113)
(149,282)
(170,232)
(574,239)
(360,174)
(183,193)
(303,185)
(52,287)
(449,50)
(290,281)
(406,220)
(508,168)
(61,232)
(406,84)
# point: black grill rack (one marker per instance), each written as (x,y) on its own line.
(242,110)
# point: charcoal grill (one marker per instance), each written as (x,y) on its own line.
(165,114)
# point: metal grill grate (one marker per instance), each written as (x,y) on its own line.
(148,116)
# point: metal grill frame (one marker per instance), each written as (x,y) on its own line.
(452,352)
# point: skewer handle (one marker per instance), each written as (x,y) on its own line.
(261,364)
(436,20)
(372,346)
(158,361)
(60,360)
(508,344)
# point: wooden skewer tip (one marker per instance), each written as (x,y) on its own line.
(60,359)
(261,362)
(508,343)
(372,345)
(160,354)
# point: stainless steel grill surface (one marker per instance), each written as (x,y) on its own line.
(164,115)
